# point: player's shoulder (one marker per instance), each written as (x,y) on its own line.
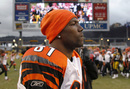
(34,51)
(45,52)
(75,54)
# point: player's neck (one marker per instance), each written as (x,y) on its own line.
(66,51)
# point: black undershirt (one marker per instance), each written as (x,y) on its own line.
(71,59)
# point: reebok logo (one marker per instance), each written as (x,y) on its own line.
(37,83)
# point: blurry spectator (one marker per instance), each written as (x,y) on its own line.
(100,67)
(91,69)
(96,55)
(116,59)
(3,63)
(12,62)
(128,63)
(107,62)
(125,62)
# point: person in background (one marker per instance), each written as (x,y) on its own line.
(101,62)
(12,62)
(96,55)
(91,68)
(128,63)
(107,62)
(125,62)
(91,56)
(115,61)
(3,63)
(103,68)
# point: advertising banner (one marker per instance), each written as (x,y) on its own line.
(60,0)
(93,15)
(94,26)
(26,26)
(28,0)
(18,26)
(100,11)
(22,0)
(21,12)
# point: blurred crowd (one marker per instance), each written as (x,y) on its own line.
(7,61)
(82,10)
(112,61)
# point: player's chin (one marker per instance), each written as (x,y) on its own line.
(81,41)
(80,44)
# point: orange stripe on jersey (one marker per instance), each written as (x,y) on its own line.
(75,54)
(58,69)
(26,69)
(56,79)
(29,62)
(33,77)
(50,84)
(5,67)
(85,75)
(53,67)
(75,85)
(83,85)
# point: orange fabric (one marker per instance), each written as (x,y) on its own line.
(5,67)
(124,63)
(33,77)
(54,22)
(103,63)
(14,64)
(60,70)
(25,70)
(56,79)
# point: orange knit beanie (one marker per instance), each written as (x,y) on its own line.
(54,22)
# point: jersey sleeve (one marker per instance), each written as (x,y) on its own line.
(31,75)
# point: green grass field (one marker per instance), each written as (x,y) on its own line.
(101,83)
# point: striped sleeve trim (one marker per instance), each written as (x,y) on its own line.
(35,58)
(39,77)
(49,73)
(26,69)
(31,77)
